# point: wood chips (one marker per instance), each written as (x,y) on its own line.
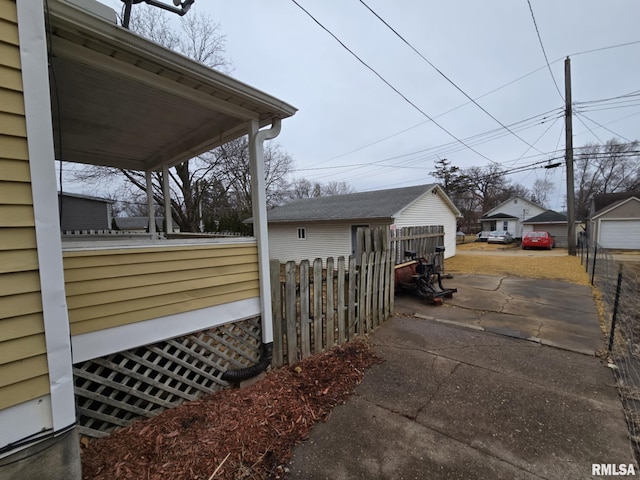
(233,434)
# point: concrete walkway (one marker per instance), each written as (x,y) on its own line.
(553,313)
(452,402)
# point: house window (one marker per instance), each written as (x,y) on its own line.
(302,233)
(505,225)
(515,200)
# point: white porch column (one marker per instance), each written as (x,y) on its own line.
(259,212)
(152,213)
(166,192)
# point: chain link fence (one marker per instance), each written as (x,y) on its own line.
(617,282)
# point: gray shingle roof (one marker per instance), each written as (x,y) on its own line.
(363,205)
(604,200)
(136,223)
(497,215)
(547,217)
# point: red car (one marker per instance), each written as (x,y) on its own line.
(538,240)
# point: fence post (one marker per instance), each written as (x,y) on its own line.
(615,309)
(276,307)
(305,320)
(342,335)
(586,265)
(330,312)
(317,305)
(290,313)
(353,285)
(595,255)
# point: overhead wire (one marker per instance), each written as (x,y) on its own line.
(386,82)
(544,52)
(442,74)
(602,126)
(451,147)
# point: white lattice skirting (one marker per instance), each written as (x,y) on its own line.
(114,390)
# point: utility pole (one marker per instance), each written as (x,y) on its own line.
(571,211)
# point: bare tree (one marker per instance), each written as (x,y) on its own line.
(542,188)
(303,188)
(197,38)
(609,168)
(337,188)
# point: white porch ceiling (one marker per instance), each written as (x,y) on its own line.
(120,100)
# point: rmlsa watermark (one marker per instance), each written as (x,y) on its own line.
(611,469)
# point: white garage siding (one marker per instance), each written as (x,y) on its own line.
(322,240)
(431,209)
(622,234)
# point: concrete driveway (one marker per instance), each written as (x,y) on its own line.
(553,313)
(465,397)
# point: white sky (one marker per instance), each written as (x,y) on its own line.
(481,46)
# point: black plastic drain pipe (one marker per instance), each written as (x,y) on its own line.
(242,374)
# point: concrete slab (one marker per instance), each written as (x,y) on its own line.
(363,441)
(553,313)
(451,402)
(490,396)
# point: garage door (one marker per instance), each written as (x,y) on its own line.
(620,234)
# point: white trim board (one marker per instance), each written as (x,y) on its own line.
(37,103)
(105,342)
(23,420)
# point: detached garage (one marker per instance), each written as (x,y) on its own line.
(617,226)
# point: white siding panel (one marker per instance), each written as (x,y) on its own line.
(431,209)
(322,240)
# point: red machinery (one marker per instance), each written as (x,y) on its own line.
(423,278)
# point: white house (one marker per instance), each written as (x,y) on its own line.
(510,215)
(326,226)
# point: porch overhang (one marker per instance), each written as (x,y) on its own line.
(122,101)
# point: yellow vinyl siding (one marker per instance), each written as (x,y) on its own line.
(14,148)
(11,124)
(10,56)
(18,261)
(17,238)
(20,348)
(23,360)
(23,326)
(8,30)
(15,193)
(14,170)
(109,288)
(16,372)
(24,391)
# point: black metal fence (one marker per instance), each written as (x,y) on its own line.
(617,283)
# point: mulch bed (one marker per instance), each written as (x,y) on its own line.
(233,434)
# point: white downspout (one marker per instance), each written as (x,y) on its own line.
(259,212)
(152,213)
(166,192)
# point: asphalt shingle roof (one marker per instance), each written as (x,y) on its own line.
(498,215)
(363,205)
(604,200)
(547,217)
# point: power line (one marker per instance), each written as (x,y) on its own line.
(443,75)
(522,77)
(386,82)
(535,24)
(602,126)
(618,45)
(445,149)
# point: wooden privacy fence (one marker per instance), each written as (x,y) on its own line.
(315,309)
(423,240)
